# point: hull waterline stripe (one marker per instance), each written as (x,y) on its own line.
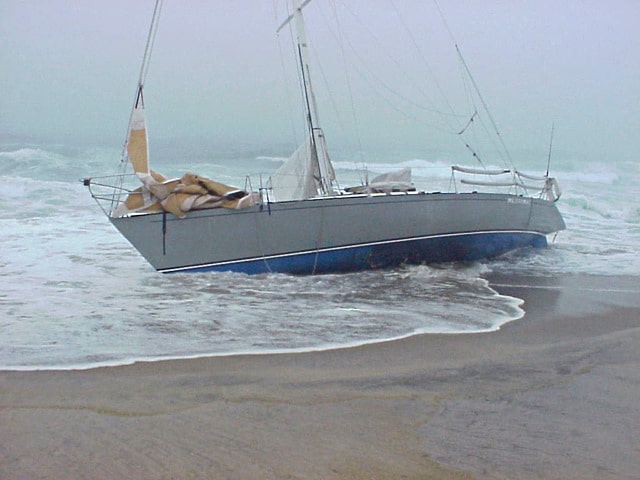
(344,247)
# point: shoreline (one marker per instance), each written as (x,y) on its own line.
(481,405)
(498,324)
(497,282)
(275,351)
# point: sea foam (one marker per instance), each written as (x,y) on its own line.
(75,294)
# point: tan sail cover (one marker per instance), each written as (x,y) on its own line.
(137,149)
(180,195)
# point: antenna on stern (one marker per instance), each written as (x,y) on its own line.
(550,145)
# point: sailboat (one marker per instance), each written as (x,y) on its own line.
(300,221)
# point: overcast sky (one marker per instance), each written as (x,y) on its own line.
(68,68)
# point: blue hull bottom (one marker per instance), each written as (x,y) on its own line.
(438,249)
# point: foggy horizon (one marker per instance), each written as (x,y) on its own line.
(219,73)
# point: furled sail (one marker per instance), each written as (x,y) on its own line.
(395,181)
(477,171)
(299,177)
(181,195)
(137,149)
(327,173)
(143,198)
(177,195)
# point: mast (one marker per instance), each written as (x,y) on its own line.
(318,142)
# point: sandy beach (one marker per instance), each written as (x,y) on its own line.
(552,395)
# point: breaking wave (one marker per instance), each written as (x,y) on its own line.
(75,294)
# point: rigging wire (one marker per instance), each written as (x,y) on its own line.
(394,60)
(444,21)
(424,59)
(287,87)
(367,74)
(468,123)
(144,68)
(327,84)
(150,42)
(467,71)
(484,104)
(364,181)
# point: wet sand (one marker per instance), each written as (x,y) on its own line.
(553,395)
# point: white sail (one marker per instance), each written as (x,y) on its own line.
(298,178)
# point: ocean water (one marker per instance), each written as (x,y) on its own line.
(75,294)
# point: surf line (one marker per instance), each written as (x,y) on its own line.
(549,287)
